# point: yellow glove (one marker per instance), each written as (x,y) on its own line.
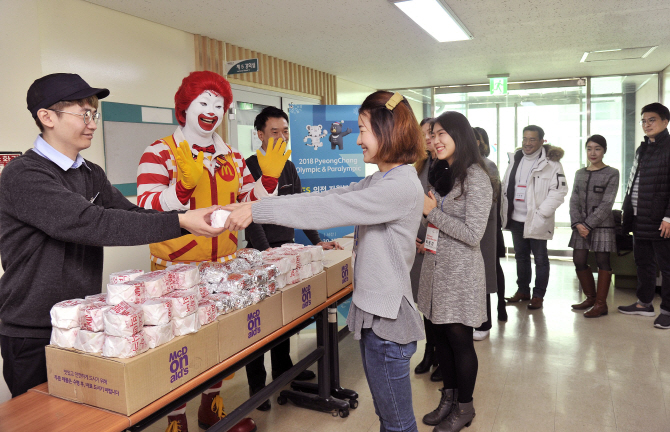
(191,170)
(273,161)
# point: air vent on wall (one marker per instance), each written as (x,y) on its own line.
(617,54)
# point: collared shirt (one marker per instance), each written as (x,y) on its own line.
(45,150)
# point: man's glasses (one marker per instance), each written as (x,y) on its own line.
(88,115)
(531,140)
(650,121)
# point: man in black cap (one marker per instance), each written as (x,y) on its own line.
(57,211)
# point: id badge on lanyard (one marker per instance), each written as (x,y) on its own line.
(520,193)
(432,233)
(353,252)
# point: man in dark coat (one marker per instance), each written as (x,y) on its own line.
(646,211)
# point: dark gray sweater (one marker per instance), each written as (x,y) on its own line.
(52,237)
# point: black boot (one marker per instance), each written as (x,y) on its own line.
(429,358)
(445,406)
(437,375)
(265,406)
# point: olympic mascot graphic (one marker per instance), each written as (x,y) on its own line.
(336,137)
(314,135)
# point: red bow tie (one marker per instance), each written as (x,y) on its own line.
(208,149)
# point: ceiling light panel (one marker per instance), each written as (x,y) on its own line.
(617,54)
(436,18)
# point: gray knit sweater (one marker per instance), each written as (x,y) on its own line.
(387,209)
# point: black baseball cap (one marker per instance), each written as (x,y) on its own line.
(53,88)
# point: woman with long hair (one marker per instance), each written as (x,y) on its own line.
(452,291)
(386,208)
(422,167)
(593,195)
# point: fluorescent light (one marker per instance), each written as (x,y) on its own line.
(436,18)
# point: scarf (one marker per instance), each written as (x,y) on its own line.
(440,177)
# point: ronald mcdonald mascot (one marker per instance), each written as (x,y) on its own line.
(194,168)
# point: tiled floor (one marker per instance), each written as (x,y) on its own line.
(544,370)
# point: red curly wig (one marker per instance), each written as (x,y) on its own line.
(193,85)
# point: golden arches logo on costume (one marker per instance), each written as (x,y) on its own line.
(227,171)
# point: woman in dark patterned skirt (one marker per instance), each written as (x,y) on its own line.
(593,194)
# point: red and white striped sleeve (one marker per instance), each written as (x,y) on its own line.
(157,188)
(251,190)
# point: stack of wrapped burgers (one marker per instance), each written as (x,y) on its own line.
(141,310)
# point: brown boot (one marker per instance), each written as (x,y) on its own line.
(177,423)
(600,308)
(588,286)
(536,303)
(517,297)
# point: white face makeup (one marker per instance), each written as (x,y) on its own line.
(204,114)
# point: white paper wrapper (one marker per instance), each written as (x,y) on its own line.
(65,314)
(124,347)
(90,316)
(157,335)
(124,276)
(155,283)
(184,302)
(88,341)
(302,256)
(204,290)
(129,292)
(282,263)
(316,251)
(305,271)
(219,218)
(317,267)
(123,320)
(184,276)
(292,246)
(102,297)
(281,281)
(64,338)
(207,312)
(293,277)
(186,325)
(157,312)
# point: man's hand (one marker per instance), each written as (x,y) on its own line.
(330,245)
(275,157)
(197,222)
(665,229)
(240,216)
(429,203)
(582,230)
(191,170)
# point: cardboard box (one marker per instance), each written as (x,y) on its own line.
(350,235)
(127,385)
(300,298)
(239,329)
(339,271)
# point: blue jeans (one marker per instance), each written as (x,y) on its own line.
(524,272)
(386,366)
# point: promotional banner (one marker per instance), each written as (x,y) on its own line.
(325,154)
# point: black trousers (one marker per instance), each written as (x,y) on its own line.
(649,253)
(24,363)
(280,358)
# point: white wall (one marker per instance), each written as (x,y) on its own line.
(350,93)
(666,86)
(140,62)
(647,94)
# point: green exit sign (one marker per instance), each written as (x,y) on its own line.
(498,86)
(242,66)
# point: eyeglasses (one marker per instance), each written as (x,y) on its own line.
(533,140)
(88,115)
(650,121)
